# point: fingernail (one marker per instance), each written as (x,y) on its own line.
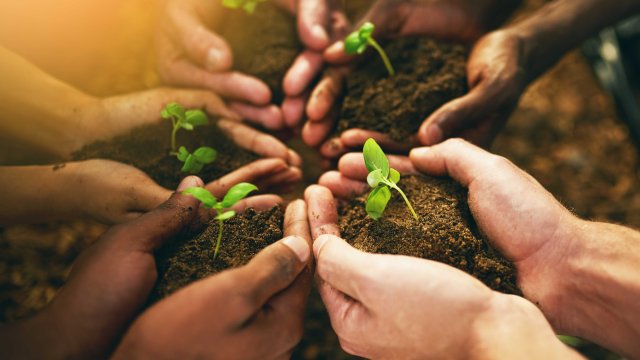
(189,181)
(299,246)
(319,243)
(318,32)
(434,134)
(420,152)
(213,59)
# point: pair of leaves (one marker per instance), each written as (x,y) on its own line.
(186,119)
(235,194)
(358,41)
(193,163)
(248,6)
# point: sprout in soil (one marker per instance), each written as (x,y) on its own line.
(182,119)
(247,5)
(358,41)
(193,163)
(235,194)
(381,177)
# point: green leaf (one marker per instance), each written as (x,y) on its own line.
(366,30)
(189,164)
(226,215)
(233,4)
(202,194)
(205,155)
(353,43)
(196,117)
(173,110)
(374,178)
(237,193)
(377,201)
(374,157)
(186,126)
(250,7)
(394,175)
(183,153)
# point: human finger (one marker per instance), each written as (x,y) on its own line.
(269,116)
(352,165)
(302,72)
(258,142)
(342,186)
(355,138)
(313,22)
(249,173)
(322,211)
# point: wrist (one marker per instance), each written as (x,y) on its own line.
(512,327)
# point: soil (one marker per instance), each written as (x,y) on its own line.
(445,231)
(429,73)
(147,148)
(264,43)
(190,258)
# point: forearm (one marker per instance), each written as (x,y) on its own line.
(600,292)
(563,24)
(36,193)
(39,110)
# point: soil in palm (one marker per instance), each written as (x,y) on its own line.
(429,73)
(264,43)
(147,148)
(445,231)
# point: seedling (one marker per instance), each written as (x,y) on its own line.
(193,163)
(247,5)
(381,177)
(235,194)
(358,41)
(182,119)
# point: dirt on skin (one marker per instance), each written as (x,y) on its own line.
(147,148)
(429,73)
(264,43)
(445,231)
(190,258)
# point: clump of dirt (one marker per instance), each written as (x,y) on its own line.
(147,147)
(190,258)
(429,73)
(445,231)
(264,43)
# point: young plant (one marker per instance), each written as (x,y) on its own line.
(381,177)
(358,41)
(247,5)
(235,194)
(182,119)
(193,163)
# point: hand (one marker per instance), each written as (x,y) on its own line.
(112,192)
(190,54)
(458,20)
(385,306)
(533,229)
(252,312)
(108,285)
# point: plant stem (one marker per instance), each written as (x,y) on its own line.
(215,252)
(404,197)
(173,135)
(383,55)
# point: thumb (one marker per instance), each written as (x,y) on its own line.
(149,231)
(203,46)
(341,266)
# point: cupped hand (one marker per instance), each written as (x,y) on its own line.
(190,54)
(459,20)
(252,312)
(108,285)
(390,306)
(517,215)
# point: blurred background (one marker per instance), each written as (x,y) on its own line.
(576,131)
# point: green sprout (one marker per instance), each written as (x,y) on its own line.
(247,5)
(235,194)
(358,41)
(193,163)
(381,177)
(182,119)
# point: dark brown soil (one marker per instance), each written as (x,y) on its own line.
(264,43)
(191,258)
(147,148)
(429,73)
(445,232)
